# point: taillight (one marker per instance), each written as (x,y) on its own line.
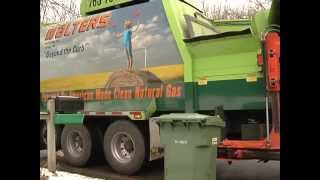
(136,115)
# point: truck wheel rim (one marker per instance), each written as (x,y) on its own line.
(75,143)
(122,147)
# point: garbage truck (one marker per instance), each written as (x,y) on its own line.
(126,61)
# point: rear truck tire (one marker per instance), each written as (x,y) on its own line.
(124,147)
(43,136)
(76,143)
(58,136)
(97,148)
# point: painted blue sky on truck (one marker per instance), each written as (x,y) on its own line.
(100,50)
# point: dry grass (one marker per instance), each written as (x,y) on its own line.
(168,73)
(89,81)
(98,80)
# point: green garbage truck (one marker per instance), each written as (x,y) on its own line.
(130,60)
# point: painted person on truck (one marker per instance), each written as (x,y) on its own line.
(127,38)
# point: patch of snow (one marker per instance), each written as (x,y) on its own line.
(61,175)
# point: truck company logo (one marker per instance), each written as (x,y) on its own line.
(96,4)
(83,25)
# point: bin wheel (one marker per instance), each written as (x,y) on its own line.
(76,144)
(124,147)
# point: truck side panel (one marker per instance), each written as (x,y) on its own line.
(89,59)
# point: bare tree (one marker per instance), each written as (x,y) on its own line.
(225,11)
(52,11)
(205,8)
(260,4)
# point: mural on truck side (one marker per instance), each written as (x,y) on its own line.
(126,53)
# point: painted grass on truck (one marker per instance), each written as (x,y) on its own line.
(98,80)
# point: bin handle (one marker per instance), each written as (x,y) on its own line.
(202,122)
(187,125)
(172,123)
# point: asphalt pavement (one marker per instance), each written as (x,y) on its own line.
(238,170)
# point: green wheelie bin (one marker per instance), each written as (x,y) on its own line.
(190,142)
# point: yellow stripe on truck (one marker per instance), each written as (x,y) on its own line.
(98,80)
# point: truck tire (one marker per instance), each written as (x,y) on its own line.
(76,143)
(97,148)
(124,147)
(58,137)
(43,135)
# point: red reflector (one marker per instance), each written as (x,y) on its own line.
(260,59)
(116,113)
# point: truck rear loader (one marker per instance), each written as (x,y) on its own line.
(130,60)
